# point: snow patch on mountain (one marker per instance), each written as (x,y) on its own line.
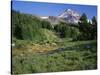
(68,16)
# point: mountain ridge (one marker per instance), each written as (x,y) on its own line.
(68,16)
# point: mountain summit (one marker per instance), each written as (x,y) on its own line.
(68,16)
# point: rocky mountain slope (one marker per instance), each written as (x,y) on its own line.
(68,16)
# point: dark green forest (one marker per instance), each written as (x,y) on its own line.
(42,47)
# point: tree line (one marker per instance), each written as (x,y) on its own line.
(84,30)
(27,27)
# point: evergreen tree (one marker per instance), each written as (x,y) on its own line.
(94,27)
(94,20)
(88,30)
(85,28)
(46,24)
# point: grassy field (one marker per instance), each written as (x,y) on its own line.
(66,55)
(38,46)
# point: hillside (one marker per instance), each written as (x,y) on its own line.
(28,27)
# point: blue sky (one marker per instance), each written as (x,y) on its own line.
(52,9)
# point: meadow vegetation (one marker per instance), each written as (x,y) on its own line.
(42,47)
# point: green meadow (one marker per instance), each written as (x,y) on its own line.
(38,46)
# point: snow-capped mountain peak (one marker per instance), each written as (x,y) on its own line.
(68,16)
